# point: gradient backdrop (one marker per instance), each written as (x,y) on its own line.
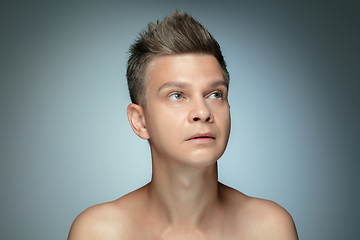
(65,143)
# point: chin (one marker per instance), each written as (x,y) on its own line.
(203,160)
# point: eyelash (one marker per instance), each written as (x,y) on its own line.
(182,95)
(217,92)
(176,93)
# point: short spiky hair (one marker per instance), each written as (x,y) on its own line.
(178,34)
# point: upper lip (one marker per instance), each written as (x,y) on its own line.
(202,135)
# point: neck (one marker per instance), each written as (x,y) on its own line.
(184,195)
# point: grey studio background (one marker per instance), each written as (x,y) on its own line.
(66,143)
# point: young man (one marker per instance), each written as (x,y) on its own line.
(178,84)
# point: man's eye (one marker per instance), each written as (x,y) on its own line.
(216,95)
(176,96)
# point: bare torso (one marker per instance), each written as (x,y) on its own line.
(133,217)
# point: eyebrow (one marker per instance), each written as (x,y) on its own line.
(187,85)
(174,84)
(219,83)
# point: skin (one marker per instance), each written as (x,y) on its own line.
(187,121)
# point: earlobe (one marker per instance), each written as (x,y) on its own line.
(136,118)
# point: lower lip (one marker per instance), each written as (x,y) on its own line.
(201,140)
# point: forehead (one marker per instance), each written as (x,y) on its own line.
(190,68)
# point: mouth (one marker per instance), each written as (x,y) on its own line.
(202,137)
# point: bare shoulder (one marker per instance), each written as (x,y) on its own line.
(271,219)
(103,221)
(261,219)
(111,220)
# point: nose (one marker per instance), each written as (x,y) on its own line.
(200,111)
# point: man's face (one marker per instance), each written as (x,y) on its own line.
(187,114)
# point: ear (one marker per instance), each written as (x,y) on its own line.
(136,118)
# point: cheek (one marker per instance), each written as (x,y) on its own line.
(224,120)
(222,111)
(163,125)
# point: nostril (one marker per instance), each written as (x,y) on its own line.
(208,119)
(196,119)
